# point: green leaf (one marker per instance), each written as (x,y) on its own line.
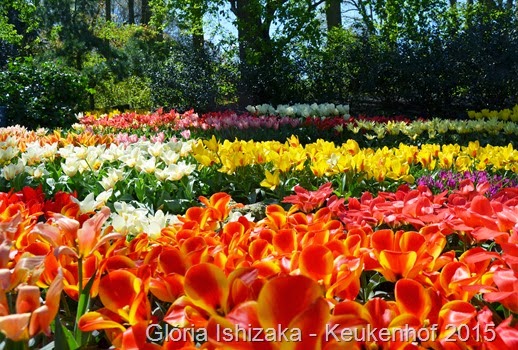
(64,339)
(82,306)
(15,345)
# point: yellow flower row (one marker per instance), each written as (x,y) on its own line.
(504,114)
(327,159)
(431,128)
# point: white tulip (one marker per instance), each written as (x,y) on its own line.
(70,167)
(12,170)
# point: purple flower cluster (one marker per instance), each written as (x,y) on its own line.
(448,180)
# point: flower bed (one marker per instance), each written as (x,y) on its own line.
(367,131)
(408,267)
(171,174)
(129,238)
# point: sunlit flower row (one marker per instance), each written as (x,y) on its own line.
(37,159)
(324,266)
(327,159)
(151,171)
(430,129)
(504,114)
(176,121)
(301,110)
(368,129)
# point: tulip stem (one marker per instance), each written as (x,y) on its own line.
(365,292)
(11,303)
(80,275)
(77,332)
(66,307)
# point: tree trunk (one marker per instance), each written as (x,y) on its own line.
(509,4)
(131,11)
(146,12)
(333,14)
(254,41)
(453,3)
(197,10)
(108,8)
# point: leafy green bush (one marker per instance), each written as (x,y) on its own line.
(190,79)
(45,94)
(133,92)
(465,60)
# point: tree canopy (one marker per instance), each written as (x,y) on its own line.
(422,56)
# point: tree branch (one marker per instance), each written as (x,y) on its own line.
(233,6)
(311,7)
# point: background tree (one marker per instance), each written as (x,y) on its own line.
(434,57)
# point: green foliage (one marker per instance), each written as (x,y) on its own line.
(418,57)
(133,92)
(45,94)
(8,32)
(123,81)
(466,59)
(190,79)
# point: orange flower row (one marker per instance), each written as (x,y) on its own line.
(296,279)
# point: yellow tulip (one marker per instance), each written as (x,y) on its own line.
(272,180)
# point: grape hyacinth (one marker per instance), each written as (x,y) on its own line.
(447,180)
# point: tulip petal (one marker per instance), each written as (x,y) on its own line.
(96,320)
(283,298)
(16,326)
(285,241)
(28,299)
(316,261)
(118,289)
(87,236)
(44,315)
(412,298)
(207,287)
(396,263)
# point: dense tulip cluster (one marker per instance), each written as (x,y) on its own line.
(327,159)
(104,243)
(231,124)
(324,273)
(121,168)
(504,114)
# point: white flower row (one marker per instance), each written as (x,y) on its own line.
(301,110)
(161,159)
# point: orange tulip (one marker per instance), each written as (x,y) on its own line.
(218,204)
(31,317)
(207,287)
(89,235)
(294,303)
(456,320)
(413,299)
(400,254)
(316,262)
(462,279)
